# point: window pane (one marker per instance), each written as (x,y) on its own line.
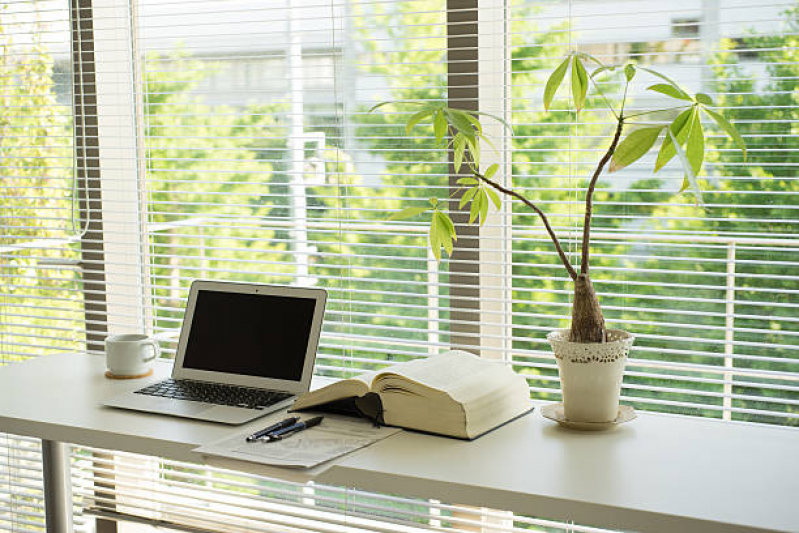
(707,292)
(40,309)
(264,164)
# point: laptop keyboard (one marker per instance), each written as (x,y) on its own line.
(216,393)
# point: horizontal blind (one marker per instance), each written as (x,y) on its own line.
(262,163)
(41,308)
(21,494)
(256,160)
(185,497)
(235,142)
(710,295)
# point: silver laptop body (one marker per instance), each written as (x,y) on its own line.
(240,334)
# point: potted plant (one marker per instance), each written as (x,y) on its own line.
(590,356)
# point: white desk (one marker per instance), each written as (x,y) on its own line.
(658,473)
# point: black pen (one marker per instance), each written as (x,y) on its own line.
(274,427)
(285,432)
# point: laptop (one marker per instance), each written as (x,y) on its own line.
(245,350)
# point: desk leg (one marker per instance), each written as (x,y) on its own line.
(57,487)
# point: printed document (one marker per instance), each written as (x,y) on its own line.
(334,437)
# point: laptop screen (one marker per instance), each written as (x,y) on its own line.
(258,335)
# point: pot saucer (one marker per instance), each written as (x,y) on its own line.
(554,411)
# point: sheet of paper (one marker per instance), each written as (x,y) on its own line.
(334,437)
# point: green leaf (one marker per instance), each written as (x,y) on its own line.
(487,141)
(445,238)
(495,117)
(378,106)
(435,238)
(475,209)
(433,201)
(490,171)
(579,83)
(440,125)
(458,147)
(634,147)
(703,98)
(474,150)
(408,212)
(629,72)
(695,146)
(592,58)
(670,90)
(446,231)
(466,121)
(474,120)
(467,196)
(680,127)
(602,69)
(553,83)
(731,130)
(408,102)
(662,77)
(467,181)
(689,173)
(461,123)
(483,206)
(418,117)
(494,197)
(446,222)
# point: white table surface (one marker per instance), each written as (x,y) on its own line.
(656,473)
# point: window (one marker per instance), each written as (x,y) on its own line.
(704,292)
(167,141)
(685,27)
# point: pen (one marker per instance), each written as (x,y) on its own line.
(296,428)
(274,427)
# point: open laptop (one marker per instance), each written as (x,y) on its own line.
(245,350)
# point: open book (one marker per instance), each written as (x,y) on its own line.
(456,394)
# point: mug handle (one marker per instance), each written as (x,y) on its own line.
(156,350)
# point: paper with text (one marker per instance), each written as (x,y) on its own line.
(334,437)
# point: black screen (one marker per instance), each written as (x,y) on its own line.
(250,334)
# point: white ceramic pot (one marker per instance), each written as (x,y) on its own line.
(591,374)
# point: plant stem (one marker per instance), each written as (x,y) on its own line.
(657,111)
(623,101)
(596,86)
(510,192)
(589,197)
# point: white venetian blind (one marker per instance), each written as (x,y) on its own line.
(183,497)
(39,222)
(710,295)
(41,310)
(232,140)
(261,162)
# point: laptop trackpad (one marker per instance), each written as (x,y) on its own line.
(186,408)
(231,415)
(165,405)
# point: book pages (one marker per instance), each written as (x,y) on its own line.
(463,376)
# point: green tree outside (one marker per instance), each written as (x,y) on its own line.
(42,310)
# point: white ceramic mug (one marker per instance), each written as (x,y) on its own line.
(131,354)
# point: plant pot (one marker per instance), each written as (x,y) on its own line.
(591,374)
